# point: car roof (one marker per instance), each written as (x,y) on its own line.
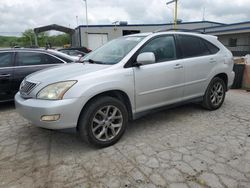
(23,49)
(49,51)
(173,32)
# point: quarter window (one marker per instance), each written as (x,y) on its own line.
(163,47)
(5,59)
(192,46)
(212,48)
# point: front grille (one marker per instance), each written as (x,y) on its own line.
(26,87)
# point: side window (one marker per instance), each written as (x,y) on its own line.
(192,46)
(29,58)
(163,47)
(6,59)
(51,60)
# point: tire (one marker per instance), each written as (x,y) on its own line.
(215,94)
(103,122)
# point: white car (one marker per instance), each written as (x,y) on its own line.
(124,79)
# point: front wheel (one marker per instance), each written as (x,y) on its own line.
(215,94)
(103,122)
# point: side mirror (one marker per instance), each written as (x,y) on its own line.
(145,58)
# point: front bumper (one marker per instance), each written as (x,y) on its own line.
(34,109)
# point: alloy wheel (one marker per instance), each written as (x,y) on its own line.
(107,123)
(217,94)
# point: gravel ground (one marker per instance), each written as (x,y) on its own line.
(181,147)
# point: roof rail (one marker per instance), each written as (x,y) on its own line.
(180,30)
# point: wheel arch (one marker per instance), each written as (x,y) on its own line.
(118,94)
(224,77)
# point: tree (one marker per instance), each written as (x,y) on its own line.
(28,39)
(28,36)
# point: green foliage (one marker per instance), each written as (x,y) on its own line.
(8,41)
(28,39)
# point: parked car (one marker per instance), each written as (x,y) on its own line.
(124,79)
(81,49)
(75,53)
(16,64)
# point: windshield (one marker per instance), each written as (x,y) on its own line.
(113,51)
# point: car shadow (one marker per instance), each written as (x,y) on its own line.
(69,139)
(7,106)
(162,117)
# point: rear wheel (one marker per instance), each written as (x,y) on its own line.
(103,122)
(215,94)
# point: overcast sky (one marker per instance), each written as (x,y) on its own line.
(18,15)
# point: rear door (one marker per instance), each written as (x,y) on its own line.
(30,62)
(6,75)
(198,62)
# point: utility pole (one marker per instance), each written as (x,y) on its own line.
(175,12)
(86,6)
(203,15)
(77,24)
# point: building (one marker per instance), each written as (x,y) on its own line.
(94,36)
(234,36)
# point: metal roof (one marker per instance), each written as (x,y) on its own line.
(54,27)
(138,25)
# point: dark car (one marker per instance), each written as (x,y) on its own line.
(16,64)
(75,53)
(81,49)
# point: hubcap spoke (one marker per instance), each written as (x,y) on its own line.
(106,134)
(113,113)
(107,111)
(117,117)
(97,121)
(101,133)
(97,127)
(116,125)
(113,131)
(102,114)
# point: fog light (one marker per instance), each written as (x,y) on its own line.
(50,117)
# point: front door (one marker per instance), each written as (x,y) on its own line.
(160,83)
(6,75)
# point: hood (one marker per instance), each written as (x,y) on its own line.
(65,72)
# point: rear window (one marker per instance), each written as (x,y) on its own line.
(193,46)
(6,59)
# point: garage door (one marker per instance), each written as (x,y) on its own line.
(96,40)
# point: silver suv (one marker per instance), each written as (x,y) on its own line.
(124,79)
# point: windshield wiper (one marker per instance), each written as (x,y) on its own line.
(93,62)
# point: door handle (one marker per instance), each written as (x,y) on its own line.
(178,66)
(4,75)
(212,61)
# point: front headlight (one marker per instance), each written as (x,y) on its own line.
(55,91)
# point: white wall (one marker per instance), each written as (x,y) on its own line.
(117,31)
